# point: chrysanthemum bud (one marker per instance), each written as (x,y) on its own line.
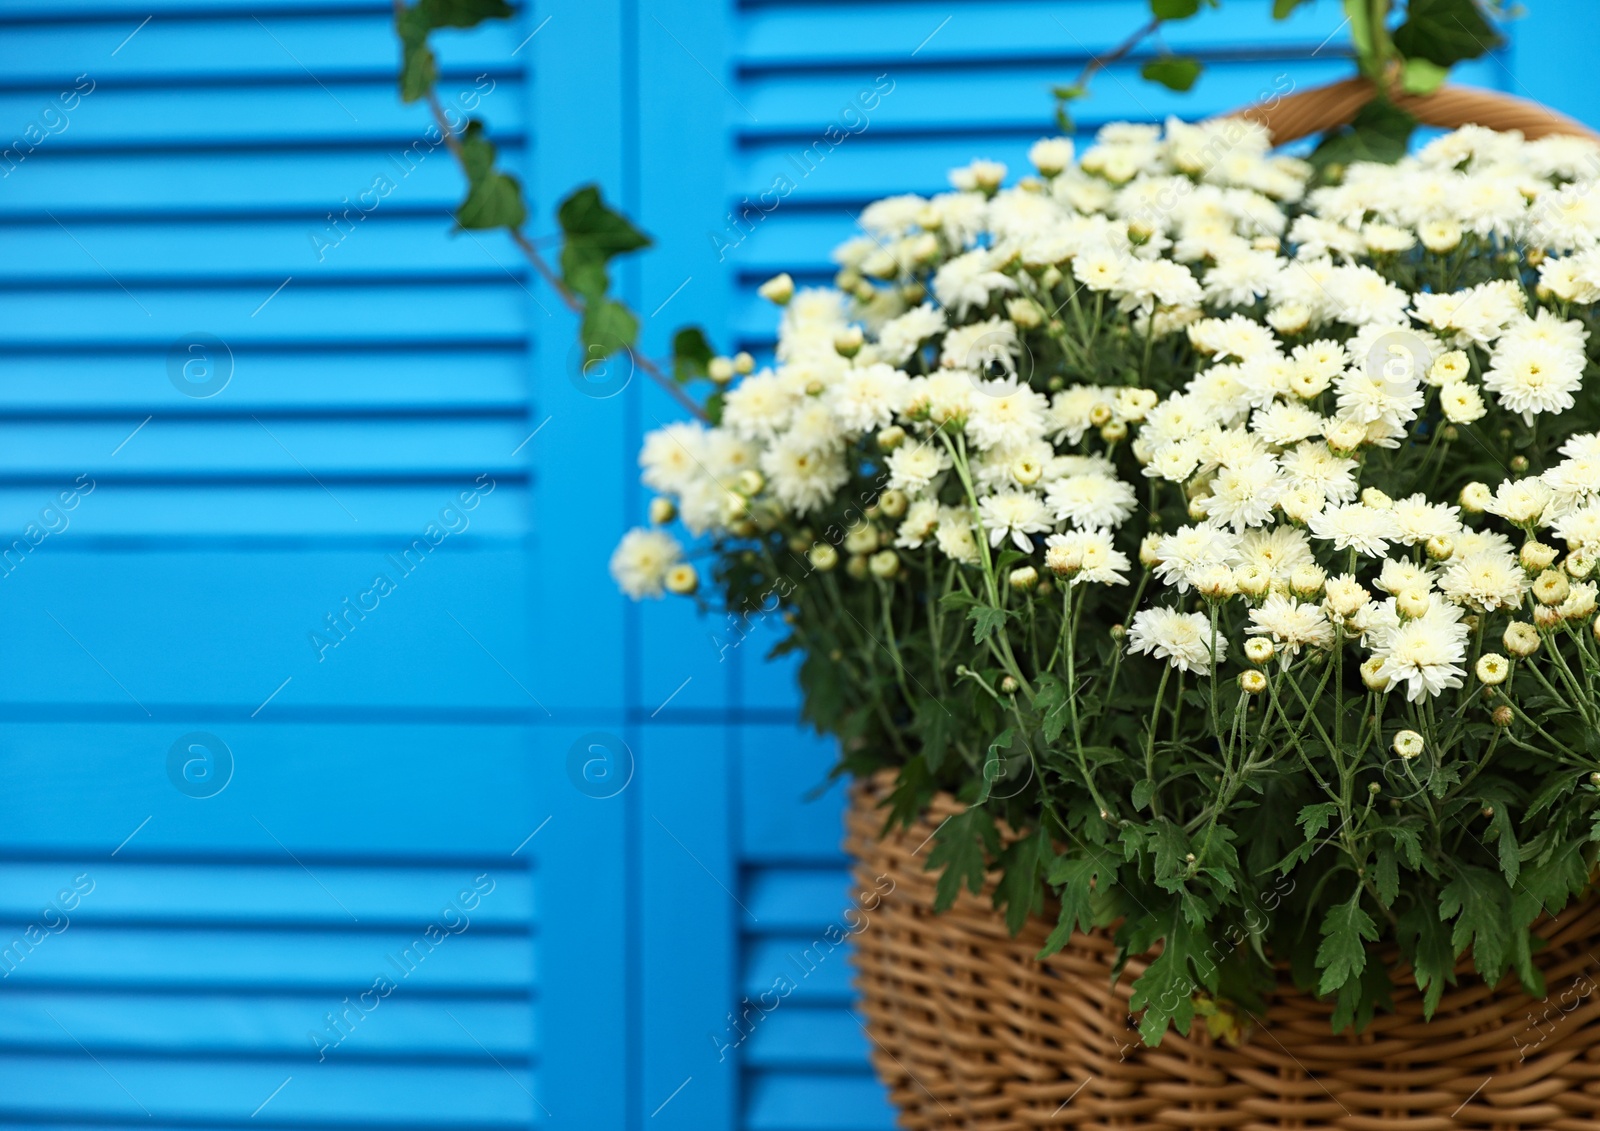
(1289,319)
(1259,649)
(1025,313)
(1374,788)
(720,370)
(1579,564)
(1594,779)
(734,506)
(1476,497)
(1346,436)
(1345,595)
(662,510)
(743,362)
(1493,669)
(1063,561)
(1519,464)
(1440,236)
(1376,499)
(1301,504)
(1412,603)
(862,539)
(1197,508)
(891,438)
(823,557)
(1546,617)
(1408,744)
(1148,557)
(893,502)
(749,482)
(1502,716)
(1551,587)
(1372,676)
(848,342)
(1521,639)
(1580,603)
(1008,686)
(779,289)
(1027,470)
(682,579)
(1252,682)
(1307,581)
(1440,548)
(1114,432)
(1252,580)
(1216,583)
(1023,578)
(884,564)
(1448,367)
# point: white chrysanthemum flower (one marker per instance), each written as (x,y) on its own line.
(802,478)
(1181,639)
(1098,560)
(1581,528)
(1244,493)
(758,407)
(1426,653)
(1398,575)
(1356,526)
(1416,519)
(641,561)
(1484,581)
(1365,395)
(1292,623)
(979,174)
(673,457)
(893,216)
(814,427)
(955,536)
(903,336)
(1282,424)
(1072,408)
(961,216)
(1359,295)
(1091,501)
(1174,462)
(1311,464)
(1147,283)
(868,397)
(969,279)
(1241,278)
(1004,413)
(1014,514)
(1477,315)
(943,395)
(914,466)
(1189,551)
(1277,551)
(1535,376)
(1461,402)
(1520,501)
(810,320)
(922,518)
(981,344)
(1100,268)
(1051,155)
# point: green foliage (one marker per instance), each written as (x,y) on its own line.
(1174,9)
(494,199)
(1445,32)
(1175,72)
(1380,132)
(418,67)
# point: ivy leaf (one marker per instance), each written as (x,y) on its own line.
(607,328)
(1476,900)
(1175,72)
(419,70)
(464,13)
(1343,955)
(1445,32)
(1282,8)
(1174,9)
(985,620)
(1422,76)
(594,235)
(959,853)
(494,199)
(691,354)
(1379,132)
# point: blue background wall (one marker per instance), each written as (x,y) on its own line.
(206,972)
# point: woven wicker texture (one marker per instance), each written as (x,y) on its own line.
(1295,116)
(970,1031)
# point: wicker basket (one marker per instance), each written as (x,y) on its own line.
(969,1030)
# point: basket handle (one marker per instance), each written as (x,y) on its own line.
(1322,108)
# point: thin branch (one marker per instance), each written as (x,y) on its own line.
(539,264)
(1101,62)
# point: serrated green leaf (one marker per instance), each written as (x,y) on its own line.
(1143,790)
(1165,991)
(960,855)
(1445,32)
(1343,953)
(1477,900)
(1175,72)
(691,354)
(1021,890)
(986,620)
(1504,837)
(1433,961)
(1379,132)
(1314,818)
(1077,878)
(1386,875)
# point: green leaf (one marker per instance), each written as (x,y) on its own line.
(1422,76)
(1054,704)
(1386,875)
(1314,818)
(960,854)
(1433,961)
(607,328)
(594,235)
(418,68)
(1174,9)
(1282,8)
(1445,32)
(1504,837)
(464,13)
(1379,132)
(1409,842)
(1343,954)
(494,199)
(1175,72)
(1476,900)
(691,353)
(1077,878)
(936,726)
(1021,890)
(1143,790)
(986,619)
(1165,991)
